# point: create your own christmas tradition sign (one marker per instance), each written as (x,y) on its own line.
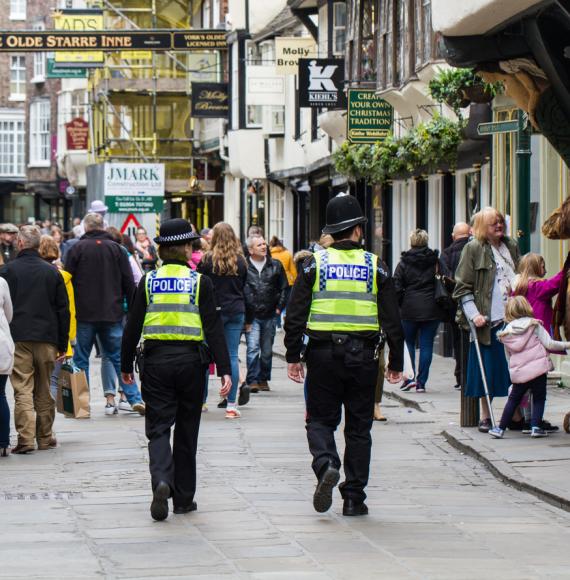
(369,118)
(134,187)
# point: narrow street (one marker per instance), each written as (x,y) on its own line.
(82,510)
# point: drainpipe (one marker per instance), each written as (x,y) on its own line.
(523,184)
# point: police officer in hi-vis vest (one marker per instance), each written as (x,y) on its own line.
(341,299)
(175,312)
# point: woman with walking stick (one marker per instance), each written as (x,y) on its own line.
(483,283)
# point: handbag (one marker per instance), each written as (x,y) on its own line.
(72,392)
(442,296)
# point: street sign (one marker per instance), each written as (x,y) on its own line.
(130,226)
(58,71)
(499,127)
(369,118)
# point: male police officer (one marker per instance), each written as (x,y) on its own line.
(175,310)
(342,296)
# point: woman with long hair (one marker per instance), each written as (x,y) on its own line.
(225,265)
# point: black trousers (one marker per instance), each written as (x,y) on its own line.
(334,381)
(173,390)
(457,354)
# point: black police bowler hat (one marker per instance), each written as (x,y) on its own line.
(175,232)
(343,212)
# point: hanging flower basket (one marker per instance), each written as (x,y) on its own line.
(478,93)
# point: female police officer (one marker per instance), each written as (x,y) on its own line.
(175,311)
(340,298)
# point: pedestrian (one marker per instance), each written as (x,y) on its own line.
(265,295)
(6,364)
(226,267)
(252,231)
(76,232)
(280,252)
(127,244)
(414,280)
(146,251)
(527,345)
(102,281)
(175,311)
(56,233)
(196,255)
(98,207)
(8,233)
(341,298)
(483,282)
(450,257)
(49,251)
(40,330)
(206,234)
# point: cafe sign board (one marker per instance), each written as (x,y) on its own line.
(288,51)
(77,134)
(369,118)
(134,187)
(210,100)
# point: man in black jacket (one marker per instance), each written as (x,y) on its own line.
(265,295)
(450,257)
(102,281)
(40,329)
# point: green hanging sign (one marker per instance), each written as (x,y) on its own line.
(55,70)
(369,118)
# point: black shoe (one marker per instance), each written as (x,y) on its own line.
(244,392)
(322,499)
(353,508)
(549,427)
(159,505)
(517,425)
(485,425)
(185,509)
(457,387)
(223,404)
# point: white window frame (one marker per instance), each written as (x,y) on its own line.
(18,9)
(339,29)
(12,143)
(18,66)
(40,133)
(40,60)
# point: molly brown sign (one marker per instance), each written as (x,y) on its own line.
(210,100)
(369,118)
(47,41)
(321,83)
(134,187)
(288,51)
(77,134)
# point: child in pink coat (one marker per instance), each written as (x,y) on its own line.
(527,345)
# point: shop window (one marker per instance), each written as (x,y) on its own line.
(254,116)
(40,133)
(368,35)
(17,9)
(17,78)
(277,212)
(12,139)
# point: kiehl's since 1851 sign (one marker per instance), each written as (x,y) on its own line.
(321,83)
(210,100)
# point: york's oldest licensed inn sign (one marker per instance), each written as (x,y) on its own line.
(321,83)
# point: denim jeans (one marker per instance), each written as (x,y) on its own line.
(260,350)
(4,414)
(109,335)
(233,326)
(427,330)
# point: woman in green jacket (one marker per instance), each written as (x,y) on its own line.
(483,278)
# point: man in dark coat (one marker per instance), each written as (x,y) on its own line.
(40,329)
(450,257)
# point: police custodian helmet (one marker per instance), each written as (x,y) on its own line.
(343,212)
(175,232)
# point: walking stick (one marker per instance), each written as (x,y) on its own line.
(482,369)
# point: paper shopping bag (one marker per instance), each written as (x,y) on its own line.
(73,393)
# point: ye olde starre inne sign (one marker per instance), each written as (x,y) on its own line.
(369,118)
(134,187)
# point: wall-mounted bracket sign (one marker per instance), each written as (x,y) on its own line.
(51,41)
(210,100)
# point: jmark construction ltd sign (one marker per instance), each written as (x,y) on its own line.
(134,187)
(48,41)
(369,117)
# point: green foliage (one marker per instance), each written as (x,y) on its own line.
(449,87)
(422,149)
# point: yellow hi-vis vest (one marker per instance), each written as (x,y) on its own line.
(345,291)
(172,313)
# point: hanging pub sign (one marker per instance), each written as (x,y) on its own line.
(369,118)
(210,100)
(48,41)
(321,83)
(77,134)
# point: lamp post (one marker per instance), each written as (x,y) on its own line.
(523,182)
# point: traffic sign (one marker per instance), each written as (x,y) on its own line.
(130,226)
(499,127)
